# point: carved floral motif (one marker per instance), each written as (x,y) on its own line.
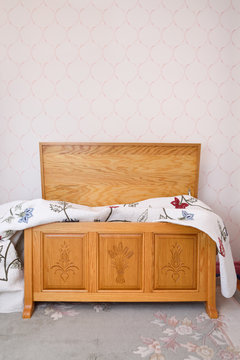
(175,265)
(120,257)
(64,265)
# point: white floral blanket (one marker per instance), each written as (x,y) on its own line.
(19,215)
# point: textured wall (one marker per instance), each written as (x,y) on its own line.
(122,70)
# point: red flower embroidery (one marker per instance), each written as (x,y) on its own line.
(113,207)
(221,248)
(177,204)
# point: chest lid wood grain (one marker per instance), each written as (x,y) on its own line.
(97,174)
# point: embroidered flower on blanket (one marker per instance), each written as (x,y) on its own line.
(178,204)
(25,215)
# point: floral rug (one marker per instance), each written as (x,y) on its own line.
(88,331)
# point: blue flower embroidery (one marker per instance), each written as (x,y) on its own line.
(26,215)
(187,216)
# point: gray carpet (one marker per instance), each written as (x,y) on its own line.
(116,331)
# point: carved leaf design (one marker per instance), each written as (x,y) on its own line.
(120,256)
(176,266)
(64,265)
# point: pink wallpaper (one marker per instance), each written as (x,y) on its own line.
(122,70)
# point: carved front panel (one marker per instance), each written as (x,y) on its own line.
(64,261)
(175,262)
(120,261)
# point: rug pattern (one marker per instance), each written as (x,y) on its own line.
(172,337)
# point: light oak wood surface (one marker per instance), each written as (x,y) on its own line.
(175,261)
(93,261)
(104,174)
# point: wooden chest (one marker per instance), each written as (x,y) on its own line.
(118,261)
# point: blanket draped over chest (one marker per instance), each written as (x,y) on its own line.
(19,215)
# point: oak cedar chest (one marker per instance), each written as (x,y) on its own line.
(118,261)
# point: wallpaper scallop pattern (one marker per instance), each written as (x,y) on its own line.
(122,70)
